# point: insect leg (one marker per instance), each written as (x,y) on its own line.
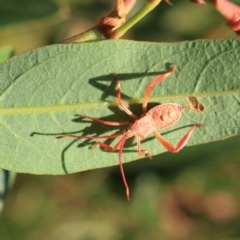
(121,104)
(100,121)
(90,137)
(181,143)
(140,152)
(119,145)
(106,122)
(156,80)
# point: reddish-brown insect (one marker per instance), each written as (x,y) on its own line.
(159,117)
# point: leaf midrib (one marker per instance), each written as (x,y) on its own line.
(69,107)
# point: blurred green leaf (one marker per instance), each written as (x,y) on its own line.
(5,53)
(14,11)
(6,177)
(6,180)
(42,91)
(28,24)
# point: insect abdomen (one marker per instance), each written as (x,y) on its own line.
(165,115)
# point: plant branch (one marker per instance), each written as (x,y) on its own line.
(229,10)
(114,25)
(150,5)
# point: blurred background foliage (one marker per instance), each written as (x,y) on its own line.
(190,195)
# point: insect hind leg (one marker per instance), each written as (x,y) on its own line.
(182,142)
(156,80)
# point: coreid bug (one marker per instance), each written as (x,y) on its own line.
(157,118)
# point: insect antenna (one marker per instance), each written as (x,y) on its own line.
(89,137)
(122,141)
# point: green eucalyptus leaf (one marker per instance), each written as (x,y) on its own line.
(43,90)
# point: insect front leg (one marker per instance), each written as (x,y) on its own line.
(108,147)
(120,103)
(181,143)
